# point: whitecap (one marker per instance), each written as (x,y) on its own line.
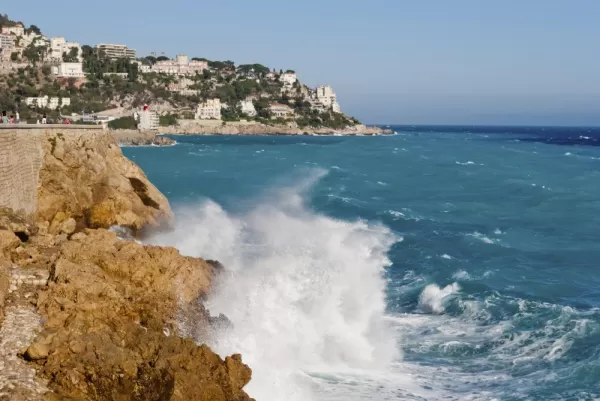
(461,275)
(433,299)
(446,256)
(483,238)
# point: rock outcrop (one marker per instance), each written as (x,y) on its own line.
(85,181)
(111,330)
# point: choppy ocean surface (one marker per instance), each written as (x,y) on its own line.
(441,263)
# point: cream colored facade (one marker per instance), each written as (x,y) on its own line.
(7,44)
(209,110)
(68,70)
(180,66)
(326,96)
(288,78)
(281,110)
(116,51)
(248,108)
(59,46)
(17,30)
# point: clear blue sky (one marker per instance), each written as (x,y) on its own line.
(390,61)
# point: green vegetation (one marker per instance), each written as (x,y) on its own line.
(123,123)
(167,120)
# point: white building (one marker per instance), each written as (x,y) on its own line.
(35,39)
(17,30)
(180,66)
(288,78)
(143,68)
(281,110)
(326,96)
(248,108)
(116,51)
(7,44)
(68,70)
(148,120)
(209,110)
(58,46)
(45,102)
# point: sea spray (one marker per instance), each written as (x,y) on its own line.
(305,292)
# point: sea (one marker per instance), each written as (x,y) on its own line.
(438,263)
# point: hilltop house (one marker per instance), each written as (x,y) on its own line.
(58,46)
(17,30)
(288,78)
(180,66)
(209,110)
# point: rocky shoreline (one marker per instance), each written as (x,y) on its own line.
(85,315)
(141,138)
(193,127)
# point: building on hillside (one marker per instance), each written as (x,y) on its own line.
(123,75)
(34,39)
(7,45)
(59,46)
(181,85)
(325,95)
(180,66)
(209,110)
(46,102)
(17,30)
(248,108)
(116,51)
(281,110)
(68,70)
(270,76)
(148,120)
(288,78)
(144,68)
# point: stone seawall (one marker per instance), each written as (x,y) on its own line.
(21,157)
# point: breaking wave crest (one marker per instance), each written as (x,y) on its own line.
(305,292)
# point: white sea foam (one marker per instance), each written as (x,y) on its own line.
(446,256)
(483,238)
(305,293)
(434,299)
(469,163)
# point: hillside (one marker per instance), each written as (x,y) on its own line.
(124,84)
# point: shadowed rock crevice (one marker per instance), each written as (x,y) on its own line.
(142,191)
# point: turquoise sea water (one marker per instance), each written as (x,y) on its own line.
(439,263)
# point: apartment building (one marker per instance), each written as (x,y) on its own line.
(209,110)
(325,95)
(116,51)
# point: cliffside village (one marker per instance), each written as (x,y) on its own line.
(14,40)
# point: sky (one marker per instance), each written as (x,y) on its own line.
(501,62)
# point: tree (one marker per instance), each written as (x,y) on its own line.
(34,29)
(72,56)
(151,59)
(199,59)
(86,51)
(14,56)
(162,58)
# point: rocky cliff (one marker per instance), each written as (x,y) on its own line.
(85,315)
(86,180)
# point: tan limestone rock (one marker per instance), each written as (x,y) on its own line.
(85,177)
